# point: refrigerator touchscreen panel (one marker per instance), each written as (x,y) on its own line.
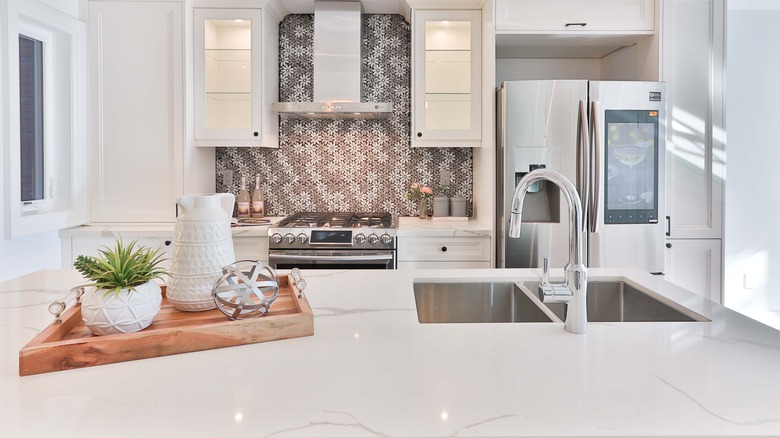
(631,171)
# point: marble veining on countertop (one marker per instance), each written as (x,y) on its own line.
(371,369)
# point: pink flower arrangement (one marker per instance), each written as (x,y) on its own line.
(418,191)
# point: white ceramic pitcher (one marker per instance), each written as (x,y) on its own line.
(202,245)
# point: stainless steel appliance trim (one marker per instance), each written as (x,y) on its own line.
(331,258)
(583,167)
(596,148)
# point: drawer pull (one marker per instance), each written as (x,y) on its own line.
(443,249)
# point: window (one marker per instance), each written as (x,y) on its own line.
(45,119)
(31,119)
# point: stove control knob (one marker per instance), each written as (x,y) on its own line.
(360,239)
(302,238)
(276,238)
(289,238)
(373,238)
(386,239)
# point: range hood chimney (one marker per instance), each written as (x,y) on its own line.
(337,66)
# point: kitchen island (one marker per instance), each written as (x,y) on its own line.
(371,369)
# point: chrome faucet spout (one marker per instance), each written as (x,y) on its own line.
(576,273)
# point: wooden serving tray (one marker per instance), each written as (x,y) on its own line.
(70,344)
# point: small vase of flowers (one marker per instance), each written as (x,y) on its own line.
(420,193)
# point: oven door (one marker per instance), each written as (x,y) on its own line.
(333,259)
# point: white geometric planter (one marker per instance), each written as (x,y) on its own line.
(128,312)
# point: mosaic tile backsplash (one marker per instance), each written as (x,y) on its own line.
(347,164)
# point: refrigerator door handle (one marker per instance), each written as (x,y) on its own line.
(583,162)
(595,205)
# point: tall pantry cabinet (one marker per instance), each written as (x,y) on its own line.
(139,159)
(693,50)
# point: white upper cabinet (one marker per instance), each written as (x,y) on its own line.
(570,28)
(137,110)
(693,48)
(235,77)
(574,15)
(446,84)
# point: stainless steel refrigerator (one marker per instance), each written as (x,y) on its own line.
(609,138)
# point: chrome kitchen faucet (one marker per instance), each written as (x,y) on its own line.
(573,290)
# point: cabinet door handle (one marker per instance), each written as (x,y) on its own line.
(575,24)
(168,243)
(668,245)
(443,249)
(668,225)
(419,134)
(256,134)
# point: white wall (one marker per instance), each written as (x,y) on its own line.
(752,219)
(41,251)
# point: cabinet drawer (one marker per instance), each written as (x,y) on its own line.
(574,15)
(72,247)
(447,249)
(443,265)
(251,248)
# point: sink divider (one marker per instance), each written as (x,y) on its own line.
(535,299)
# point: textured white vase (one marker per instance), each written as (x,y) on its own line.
(127,312)
(202,245)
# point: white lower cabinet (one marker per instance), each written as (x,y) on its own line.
(695,264)
(461,252)
(245,247)
(251,248)
(73,247)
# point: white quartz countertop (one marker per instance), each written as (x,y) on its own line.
(407,226)
(372,370)
(416,227)
(161,230)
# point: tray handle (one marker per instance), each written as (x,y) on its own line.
(298,282)
(58,307)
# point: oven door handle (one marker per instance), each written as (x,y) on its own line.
(331,258)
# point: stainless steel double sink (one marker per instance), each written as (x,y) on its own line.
(473,301)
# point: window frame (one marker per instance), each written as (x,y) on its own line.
(34,32)
(65,120)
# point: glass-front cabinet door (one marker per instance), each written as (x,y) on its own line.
(446,78)
(228,76)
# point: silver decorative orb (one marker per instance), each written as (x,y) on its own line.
(246,289)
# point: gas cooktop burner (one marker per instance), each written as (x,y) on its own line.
(337,220)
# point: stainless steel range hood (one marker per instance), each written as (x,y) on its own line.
(337,65)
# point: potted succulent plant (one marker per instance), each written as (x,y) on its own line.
(122,296)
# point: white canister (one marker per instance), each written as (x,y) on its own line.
(458,206)
(202,246)
(441,206)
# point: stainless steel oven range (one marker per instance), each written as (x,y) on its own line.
(311,240)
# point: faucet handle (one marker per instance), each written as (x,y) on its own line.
(548,292)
